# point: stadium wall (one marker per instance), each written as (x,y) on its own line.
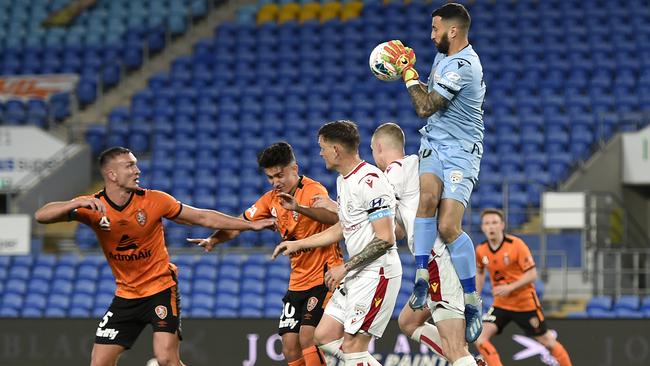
(248,342)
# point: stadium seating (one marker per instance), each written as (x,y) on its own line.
(102,43)
(539,123)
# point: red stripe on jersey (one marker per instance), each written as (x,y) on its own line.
(355,169)
(376,301)
(434,281)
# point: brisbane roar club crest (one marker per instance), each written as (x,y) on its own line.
(141,217)
(311,303)
(161,311)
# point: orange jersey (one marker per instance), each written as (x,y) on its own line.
(506,265)
(133,240)
(307,267)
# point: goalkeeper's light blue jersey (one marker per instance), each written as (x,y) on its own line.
(459,79)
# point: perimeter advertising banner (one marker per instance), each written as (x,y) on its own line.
(36,86)
(26,151)
(248,342)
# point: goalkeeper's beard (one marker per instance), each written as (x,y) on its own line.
(443,45)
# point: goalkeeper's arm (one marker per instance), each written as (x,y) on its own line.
(426,103)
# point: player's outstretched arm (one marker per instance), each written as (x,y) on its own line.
(218,220)
(326,237)
(60,211)
(218,237)
(384,239)
(319,214)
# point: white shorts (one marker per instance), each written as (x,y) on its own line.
(364,304)
(446,299)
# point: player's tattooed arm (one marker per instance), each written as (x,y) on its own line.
(375,249)
(426,103)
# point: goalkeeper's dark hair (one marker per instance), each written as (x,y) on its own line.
(454,11)
(343,132)
(278,154)
(111,153)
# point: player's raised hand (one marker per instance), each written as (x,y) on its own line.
(325,202)
(288,201)
(206,243)
(286,248)
(94,204)
(401,57)
(263,224)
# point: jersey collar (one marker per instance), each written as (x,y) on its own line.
(356,169)
(139,192)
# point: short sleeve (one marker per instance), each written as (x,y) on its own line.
(167,206)
(261,209)
(83,215)
(524,257)
(454,75)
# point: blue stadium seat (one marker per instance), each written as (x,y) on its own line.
(9,312)
(54,312)
(253,272)
(228,286)
(204,286)
(252,286)
(38,286)
(278,272)
(61,286)
(627,302)
(64,272)
(602,302)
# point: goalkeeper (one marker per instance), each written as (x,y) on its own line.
(451,147)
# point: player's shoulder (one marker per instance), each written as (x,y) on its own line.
(151,194)
(368,172)
(514,240)
(362,170)
(395,166)
(309,183)
(268,196)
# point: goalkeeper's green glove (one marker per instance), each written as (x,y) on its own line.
(403,58)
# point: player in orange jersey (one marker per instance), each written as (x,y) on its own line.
(128,223)
(291,203)
(513,275)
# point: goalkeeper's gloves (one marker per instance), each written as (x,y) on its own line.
(403,58)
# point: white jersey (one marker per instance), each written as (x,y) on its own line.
(403,174)
(364,195)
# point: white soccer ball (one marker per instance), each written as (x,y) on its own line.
(380,66)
